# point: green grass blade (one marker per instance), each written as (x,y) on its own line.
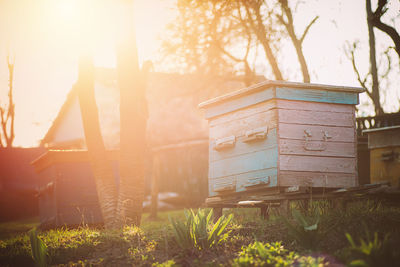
(39,249)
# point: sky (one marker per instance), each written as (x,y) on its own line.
(46,37)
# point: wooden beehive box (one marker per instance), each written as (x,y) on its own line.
(384,146)
(67,189)
(282,134)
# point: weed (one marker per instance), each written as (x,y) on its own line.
(272,254)
(169,263)
(305,230)
(39,249)
(197,230)
(371,252)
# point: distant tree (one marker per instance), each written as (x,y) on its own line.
(222,36)
(371,81)
(133,119)
(7,114)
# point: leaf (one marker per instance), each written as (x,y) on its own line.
(198,232)
(350,239)
(358,263)
(39,249)
(311,227)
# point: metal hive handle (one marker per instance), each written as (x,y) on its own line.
(225,142)
(256,134)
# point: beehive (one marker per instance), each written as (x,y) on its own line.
(282,134)
(384,146)
(67,190)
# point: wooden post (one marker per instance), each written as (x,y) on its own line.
(305,205)
(284,209)
(264,212)
(154,186)
(217,213)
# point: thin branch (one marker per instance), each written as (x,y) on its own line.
(229,54)
(389,30)
(4,121)
(282,20)
(381,8)
(248,33)
(389,61)
(260,32)
(308,28)
(393,34)
(362,82)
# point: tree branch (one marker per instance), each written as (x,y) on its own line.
(308,28)
(393,34)
(297,43)
(228,54)
(260,32)
(362,82)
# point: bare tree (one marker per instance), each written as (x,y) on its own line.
(8,114)
(222,36)
(372,58)
(371,81)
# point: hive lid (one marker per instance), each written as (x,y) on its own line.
(381,129)
(271,83)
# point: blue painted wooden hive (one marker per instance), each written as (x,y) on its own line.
(282,134)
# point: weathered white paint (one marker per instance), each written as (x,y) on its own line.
(310,139)
(70,128)
(316,117)
(316,179)
(296,131)
(241,126)
(317,164)
(316,148)
(314,106)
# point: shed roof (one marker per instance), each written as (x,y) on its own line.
(172,101)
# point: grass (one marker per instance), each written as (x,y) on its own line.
(251,239)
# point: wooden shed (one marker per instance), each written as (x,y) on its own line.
(384,146)
(67,190)
(282,134)
(177,135)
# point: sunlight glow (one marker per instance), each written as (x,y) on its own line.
(66,10)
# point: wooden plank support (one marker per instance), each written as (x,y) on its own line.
(217,213)
(264,211)
(284,208)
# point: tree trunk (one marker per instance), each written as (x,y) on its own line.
(372,57)
(133,117)
(297,43)
(101,167)
(261,33)
(389,30)
(262,36)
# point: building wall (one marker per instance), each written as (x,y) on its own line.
(70,127)
(18,183)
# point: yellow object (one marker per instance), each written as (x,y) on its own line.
(384,145)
